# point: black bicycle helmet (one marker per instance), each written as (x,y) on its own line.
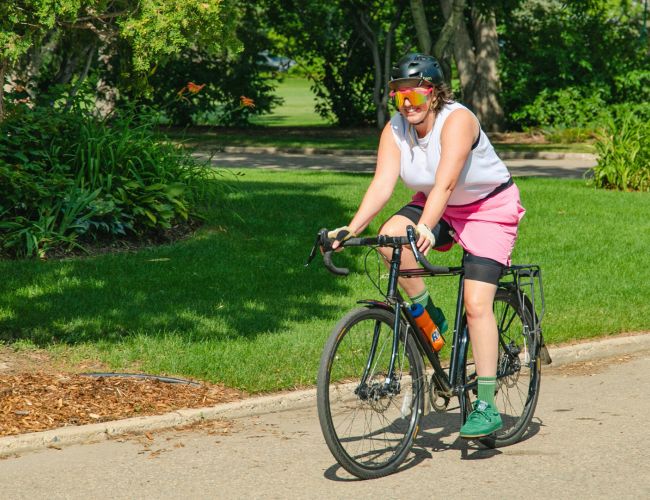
(414,69)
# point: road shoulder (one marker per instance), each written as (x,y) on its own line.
(605,348)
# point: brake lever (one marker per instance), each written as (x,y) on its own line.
(320,241)
(411,235)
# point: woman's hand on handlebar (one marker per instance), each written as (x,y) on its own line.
(340,234)
(426,240)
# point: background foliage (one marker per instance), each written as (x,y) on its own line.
(66,171)
(227,74)
(81,156)
(563,63)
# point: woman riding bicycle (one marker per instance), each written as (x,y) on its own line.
(464,194)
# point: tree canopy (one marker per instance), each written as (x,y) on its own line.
(147,30)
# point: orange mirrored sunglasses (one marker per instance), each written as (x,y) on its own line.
(415,97)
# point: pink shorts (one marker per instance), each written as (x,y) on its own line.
(486,228)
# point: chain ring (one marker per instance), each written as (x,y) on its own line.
(434,395)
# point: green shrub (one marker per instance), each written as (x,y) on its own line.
(66,171)
(566,108)
(578,114)
(633,87)
(624,154)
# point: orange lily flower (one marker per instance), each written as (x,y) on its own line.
(194,88)
(246,102)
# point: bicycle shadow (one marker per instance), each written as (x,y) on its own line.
(437,431)
(436,435)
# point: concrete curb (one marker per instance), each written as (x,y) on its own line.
(297,151)
(267,404)
(504,155)
(545,155)
(600,349)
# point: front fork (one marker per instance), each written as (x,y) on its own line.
(391,386)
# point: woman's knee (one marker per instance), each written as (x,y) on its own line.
(395,226)
(478,306)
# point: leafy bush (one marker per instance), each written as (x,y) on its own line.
(554,45)
(569,107)
(577,114)
(632,87)
(624,149)
(66,171)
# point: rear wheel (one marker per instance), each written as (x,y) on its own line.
(369,427)
(518,369)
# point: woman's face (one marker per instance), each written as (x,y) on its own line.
(416,113)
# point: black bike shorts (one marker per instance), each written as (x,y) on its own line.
(476,268)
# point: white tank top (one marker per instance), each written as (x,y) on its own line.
(482,173)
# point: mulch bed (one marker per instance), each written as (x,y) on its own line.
(31,402)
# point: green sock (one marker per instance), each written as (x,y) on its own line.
(421,298)
(424,299)
(486,387)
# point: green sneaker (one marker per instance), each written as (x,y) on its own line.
(439,319)
(483,421)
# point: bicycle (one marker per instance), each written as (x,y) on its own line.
(373,387)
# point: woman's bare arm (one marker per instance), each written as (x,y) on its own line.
(382,185)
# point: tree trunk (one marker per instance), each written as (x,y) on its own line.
(382,71)
(421,25)
(486,81)
(477,67)
(69,66)
(441,48)
(463,55)
(4,63)
(84,72)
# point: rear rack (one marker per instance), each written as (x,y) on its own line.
(527,280)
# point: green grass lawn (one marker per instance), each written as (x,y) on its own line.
(297,109)
(239,307)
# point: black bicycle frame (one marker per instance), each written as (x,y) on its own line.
(448,384)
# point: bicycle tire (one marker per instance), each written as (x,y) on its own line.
(368,433)
(516,395)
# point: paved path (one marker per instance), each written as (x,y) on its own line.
(589,439)
(568,169)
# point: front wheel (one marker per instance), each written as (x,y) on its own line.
(370,425)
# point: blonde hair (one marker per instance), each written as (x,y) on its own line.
(445,96)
